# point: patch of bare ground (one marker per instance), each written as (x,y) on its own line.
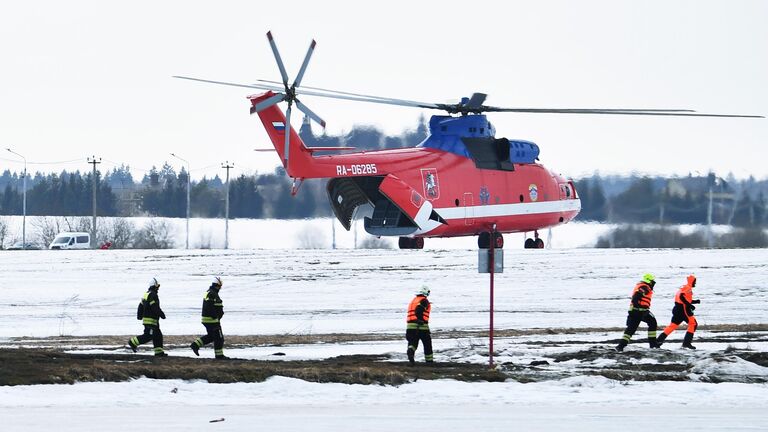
(41,366)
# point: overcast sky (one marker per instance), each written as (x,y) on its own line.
(94,78)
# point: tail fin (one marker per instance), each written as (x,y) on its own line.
(299,158)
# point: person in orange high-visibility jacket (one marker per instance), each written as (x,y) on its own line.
(149,313)
(640,311)
(683,311)
(418,326)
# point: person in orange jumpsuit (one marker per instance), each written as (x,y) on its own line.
(640,311)
(683,311)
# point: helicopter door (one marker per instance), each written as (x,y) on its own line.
(469,209)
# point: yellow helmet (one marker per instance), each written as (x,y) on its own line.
(648,278)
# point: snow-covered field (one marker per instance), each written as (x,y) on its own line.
(277,291)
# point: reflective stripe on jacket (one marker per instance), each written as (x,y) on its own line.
(213,307)
(151,308)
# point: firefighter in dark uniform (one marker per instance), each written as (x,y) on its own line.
(683,311)
(213,310)
(640,311)
(418,326)
(150,313)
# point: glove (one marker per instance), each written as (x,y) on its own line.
(162,314)
(692,308)
(697,301)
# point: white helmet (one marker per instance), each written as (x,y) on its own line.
(153,283)
(424,290)
(217,281)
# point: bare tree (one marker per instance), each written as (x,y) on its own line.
(46,228)
(154,235)
(3,232)
(119,232)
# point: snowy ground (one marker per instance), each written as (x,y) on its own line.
(85,294)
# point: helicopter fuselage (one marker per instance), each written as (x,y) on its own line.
(459,181)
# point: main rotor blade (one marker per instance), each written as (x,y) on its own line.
(335,94)
(303,69)
(310,113)
(303,90)
(287,136)
(266,103)
(256,86)
(279,60)
(684,113)
(476,100)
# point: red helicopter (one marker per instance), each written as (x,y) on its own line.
(460,181)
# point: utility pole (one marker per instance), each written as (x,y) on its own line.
(226,166)
(92,160)
(710,239)
(189,176)
(23,202)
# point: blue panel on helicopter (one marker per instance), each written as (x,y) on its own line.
(523,151)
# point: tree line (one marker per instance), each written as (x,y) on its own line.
(677,200)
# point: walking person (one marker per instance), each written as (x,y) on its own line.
(213,310)
(417,328)
(683,311)
(640,311)
(149,313)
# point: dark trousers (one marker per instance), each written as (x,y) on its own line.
(413,336)
(634,318)
(215,335)
(151,333)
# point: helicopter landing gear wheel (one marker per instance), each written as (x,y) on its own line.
(484,240)
(535,242)
(411,243)
(498,240)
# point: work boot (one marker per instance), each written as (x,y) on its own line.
(130,344)
(621,345)
(687,341)
(660,340)
(411,358)
(195,348)
(222,357)
(652,343)
(161,354)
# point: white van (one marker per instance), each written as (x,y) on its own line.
(71,240)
